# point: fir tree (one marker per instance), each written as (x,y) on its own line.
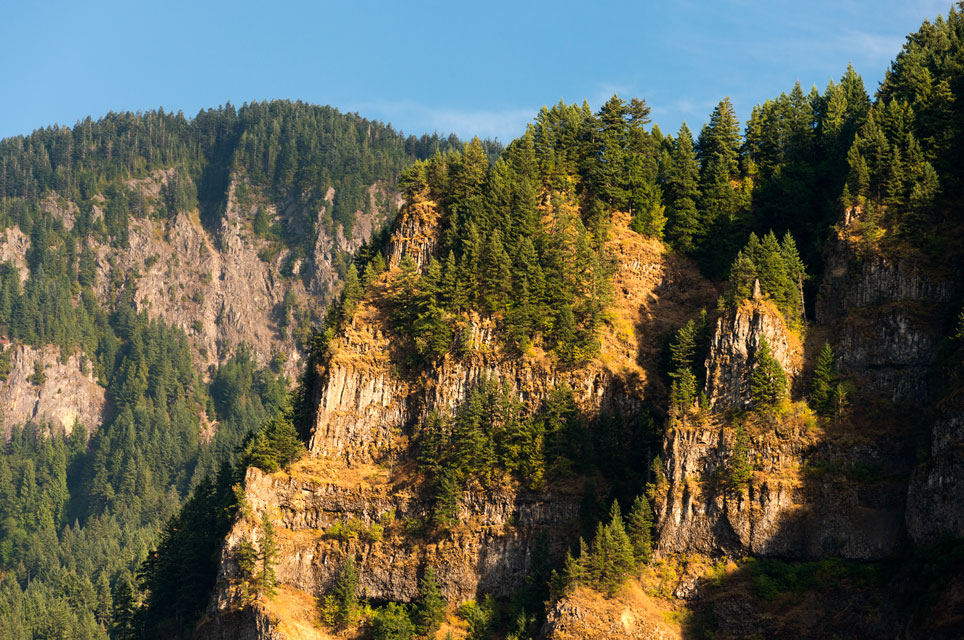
(639,526)
(739,469)
(345,592)
(430,605)
(681,181)
(267,557)
(768,382)
(824,382)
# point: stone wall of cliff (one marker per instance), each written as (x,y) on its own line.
(368,399)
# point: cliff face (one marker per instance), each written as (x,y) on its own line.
(887,314)
(222,287)
(814,492)
(842,488)
(631,615)
(368,399)
(738,335)
(229,286)
(490,550)
(935,497)
(67,395)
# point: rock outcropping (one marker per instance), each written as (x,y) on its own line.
(735,342)
(368,399)
(935,499)
(814,493)
(887,314)
(65,395)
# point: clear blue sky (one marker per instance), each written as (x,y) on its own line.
(470,67)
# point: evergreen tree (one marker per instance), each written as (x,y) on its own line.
(446,503)
(430,606)
(267,558)
(392,622)
(124,625)
(739,469)
(768,382)
(345,592)
(681,183)
(823,385)
(639,525)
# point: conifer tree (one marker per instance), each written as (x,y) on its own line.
(681,180)
(768,382)
(739,469)
(124,616)
(345,592)
(639,526)
(392,622)
(267,557)
(446,504)
(824,382)
(430,605)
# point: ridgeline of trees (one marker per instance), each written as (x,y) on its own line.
(287,149)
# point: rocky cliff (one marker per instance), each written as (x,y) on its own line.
(815,490)
(887,315)
(223,287)
(845,487)
(63,396)
(735,342)
(368,400)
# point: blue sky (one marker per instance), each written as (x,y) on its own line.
(470,67)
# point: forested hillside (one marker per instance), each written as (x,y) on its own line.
(509,342)
(748,342)
(82,504)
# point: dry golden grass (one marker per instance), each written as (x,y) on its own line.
(295,615)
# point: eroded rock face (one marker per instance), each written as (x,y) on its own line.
(489,551)
(368,396)
(14,245)
(584,615)
(935,498)
(888,318)
(804,500)
(68,396)
(415,234)
(223,289)
(363,401)
(738,334)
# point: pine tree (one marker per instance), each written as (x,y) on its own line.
(574,570)
(345,592)
(124,619)
(684,227)
(739,469)
(682,392)
(639,526)
(268,558)
(430,605)
(824,382)
(768,382)
(446,502)
(625,560)
(718,150)
(743,273)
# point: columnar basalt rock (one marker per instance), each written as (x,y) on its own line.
(887,314)
(738,335)
(793,507)
(935,498)
(499,534)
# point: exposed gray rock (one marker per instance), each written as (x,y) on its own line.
(738,334)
